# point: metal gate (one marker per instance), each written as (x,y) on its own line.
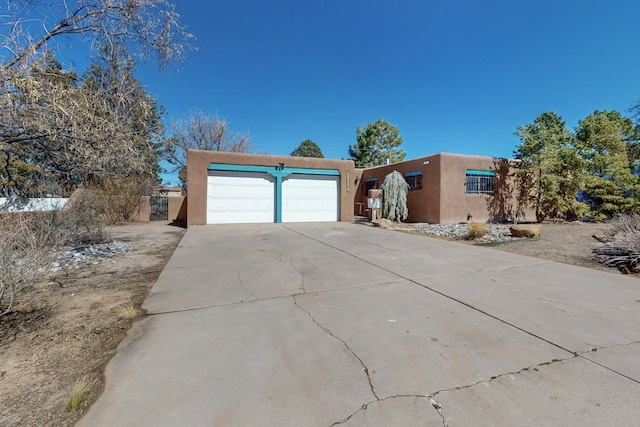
(159,208)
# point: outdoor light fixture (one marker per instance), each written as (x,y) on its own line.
(280,166)
(425,163)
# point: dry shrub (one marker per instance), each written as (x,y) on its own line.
(28,243)
(121,197)
(82,219)
(475,230)
(623,249)
(24,255)
(628,223)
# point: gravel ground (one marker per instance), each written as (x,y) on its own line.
(79,256)
(496,233)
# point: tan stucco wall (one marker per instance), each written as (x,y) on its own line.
(424,204)
(177,208)
(443,198)
(198,162)
(142,212)
(455,205)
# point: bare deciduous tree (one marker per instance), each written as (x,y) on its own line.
(152,27)
(202,132)
(59,130)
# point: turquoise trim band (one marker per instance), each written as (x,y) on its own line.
(278,173)
(271,170)
(480,172)
(278,199)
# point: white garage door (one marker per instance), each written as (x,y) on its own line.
(240,197)
(310,198)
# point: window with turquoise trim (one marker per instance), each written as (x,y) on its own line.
(479,182)
(414,180)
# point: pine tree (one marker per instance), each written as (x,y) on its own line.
(603,140)
(548,172)
(308,148)
(377,144)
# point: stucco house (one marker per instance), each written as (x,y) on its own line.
(251,188)
(450,188)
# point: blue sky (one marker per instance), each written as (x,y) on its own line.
(453,75)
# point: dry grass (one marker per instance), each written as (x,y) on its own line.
(28,243)
(629,223)
(128,310)
(475,230)
(25,242)
(80,390)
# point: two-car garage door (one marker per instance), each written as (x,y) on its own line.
(251,197)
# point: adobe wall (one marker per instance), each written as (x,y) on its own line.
(424,204)
(443,198)
(177,208)
(198,162)
(356,183)
(456,206)
(142,212)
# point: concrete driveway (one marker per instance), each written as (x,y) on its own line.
(343,324)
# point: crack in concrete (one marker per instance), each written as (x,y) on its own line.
(459,301)
(485,313)
(585,356)
(243,286)
(304,291)
(364,367)
(366,405)
(495,377)
(438,407)
(344,420)
(595,349)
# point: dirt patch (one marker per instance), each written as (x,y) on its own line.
(565,242)
(568,243)
(74,327)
